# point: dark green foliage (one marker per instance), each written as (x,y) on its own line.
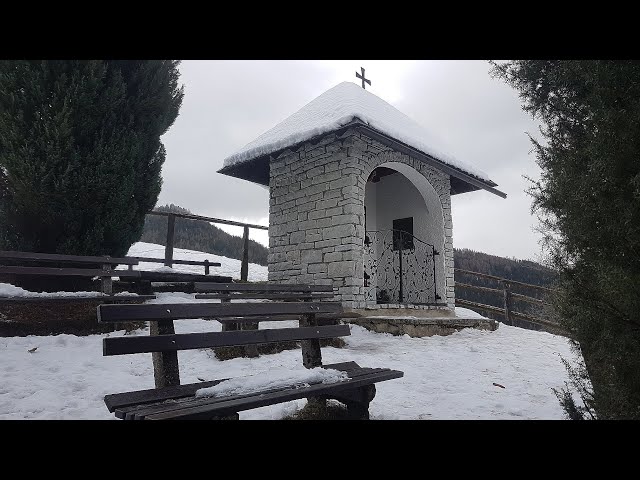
(201,236)
(80,151)
(588,200)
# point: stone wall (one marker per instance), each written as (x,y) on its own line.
(316,213)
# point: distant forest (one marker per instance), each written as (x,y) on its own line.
(199,235)
(203,236)
(524,271)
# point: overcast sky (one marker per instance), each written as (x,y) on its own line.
(227,104)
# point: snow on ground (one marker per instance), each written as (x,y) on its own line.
(8,290)
(337,107)
(449,377)
(230,266)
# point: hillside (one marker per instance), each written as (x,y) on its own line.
(199,235)
(519,270)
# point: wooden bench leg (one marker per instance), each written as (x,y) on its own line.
(230,416)
(357,411)
(317,402)
(357,401)
(250,351)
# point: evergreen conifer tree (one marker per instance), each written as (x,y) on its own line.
(588,199)
(80,151)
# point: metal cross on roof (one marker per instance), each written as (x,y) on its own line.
(362,77)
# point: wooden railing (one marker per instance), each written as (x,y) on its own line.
(508,295)
(171,222)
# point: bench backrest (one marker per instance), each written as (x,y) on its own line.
(79,265)
(164,343)
(268,291)
(261,288)
(205,263)
(236,312)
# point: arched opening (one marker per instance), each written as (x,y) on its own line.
(404,238)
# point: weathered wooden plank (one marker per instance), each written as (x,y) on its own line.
(180,277)
(268,296)
(324,320)
(180,262)
(209,219)
(151,395)
(190,341)
(140,397)
(178,311)
(481,306)
(55,257)
(207,406)
(475,287)
(140,409)
(259,287)
(85,272)
(101,298)
(493,277)
(525,298)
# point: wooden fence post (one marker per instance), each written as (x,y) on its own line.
(107,282)
(206,267)
(168,249)
(311,354)
(244,268)
(508,304)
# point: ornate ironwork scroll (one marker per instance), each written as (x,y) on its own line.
(399,268)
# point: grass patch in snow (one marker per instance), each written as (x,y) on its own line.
(333,410)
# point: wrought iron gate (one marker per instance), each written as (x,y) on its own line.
(399,268)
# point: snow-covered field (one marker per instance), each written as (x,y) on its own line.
(230,266)
(452,377)
(448,377)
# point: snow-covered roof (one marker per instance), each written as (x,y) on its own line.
(336,108)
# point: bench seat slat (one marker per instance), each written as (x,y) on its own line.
(206,287)
(178,261)
(268,296)
(152,276)
(136,410)
(56,257)
(208,407)
(190,341)
(105,298)
(179,311)
(85,272)
(139,413)
(139,397)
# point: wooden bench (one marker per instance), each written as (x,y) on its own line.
(104,268)
(79,266)
(171,400)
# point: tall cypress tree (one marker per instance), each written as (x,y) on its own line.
(80,151)
(588,198)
